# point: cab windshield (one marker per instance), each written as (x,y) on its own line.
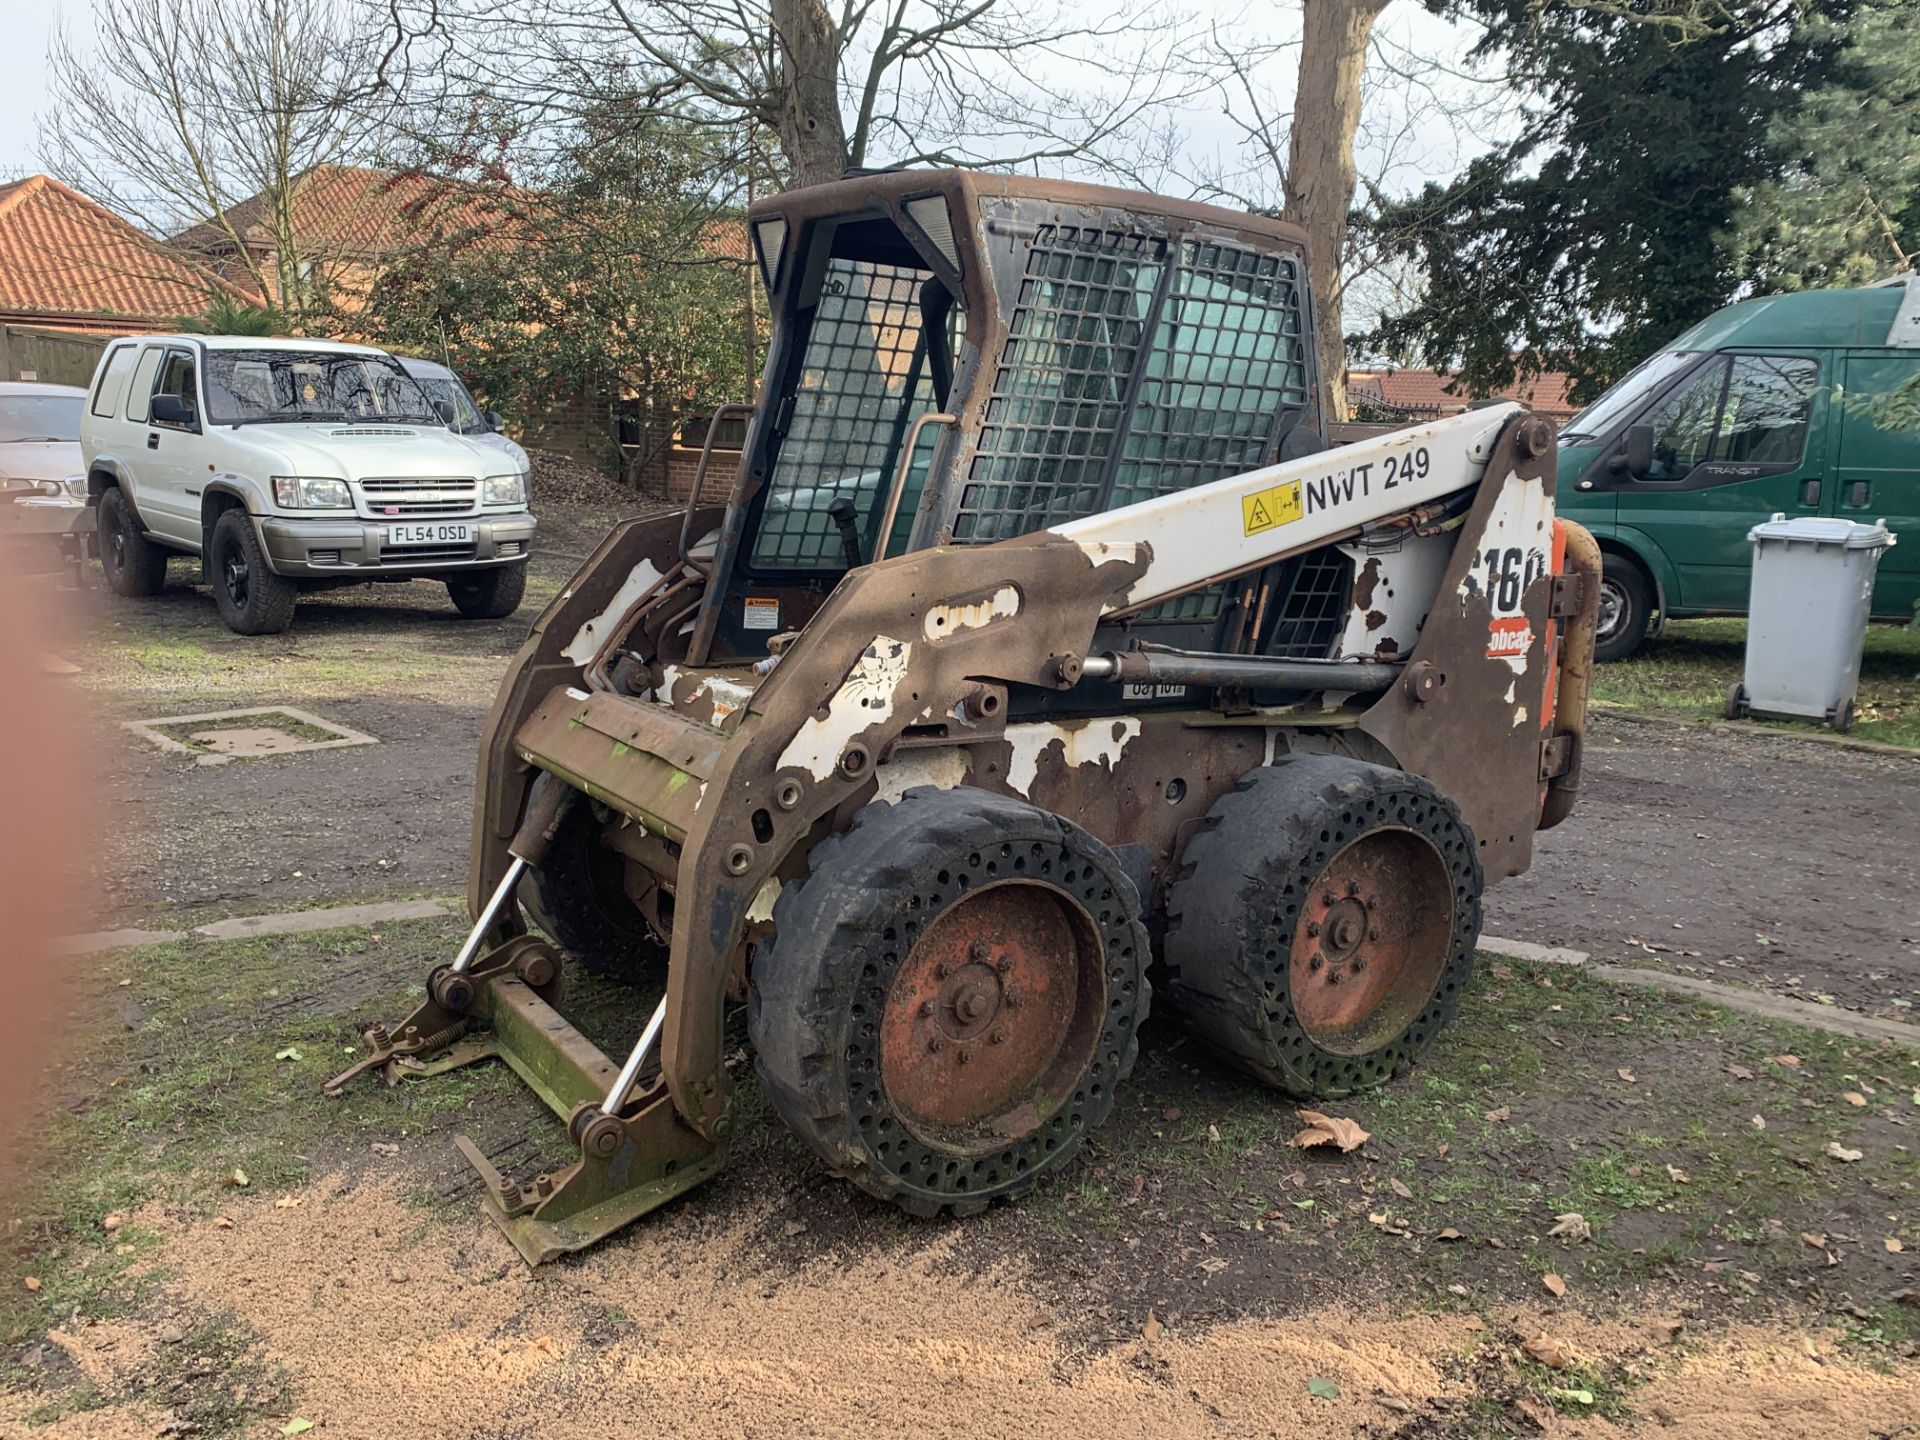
(251,387)
(1600,418)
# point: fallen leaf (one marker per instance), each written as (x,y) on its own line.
(296,1426)
(32,1282)
(1384,1220)
(1759,1122)
(1667,1329)
(1549,1352)
(292,1052)
(1498,1114)
(1678,1176)
(287,1202)
(237,1178)
(1840,1152)
(1323,1389)
(545,1342)
(1625,1074)
(381,1147)
(1213,1133)
(1579,1397)
(1813,1242)
(113,1221)
(1740,1072)
(1400,1188)
(1855,1099)
(1449,1234)
(1153,1329)
(1894,1247)
(1329,1130)
(1172,1112)
(221,1222)
(1540,1416)
(1571,1227)
(1784,1059)
(1554,1283)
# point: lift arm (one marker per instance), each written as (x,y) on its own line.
(1213,532)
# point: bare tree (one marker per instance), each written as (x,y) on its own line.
(853,83)
(184,115)
(1368,109)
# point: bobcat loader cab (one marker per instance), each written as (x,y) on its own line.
(1038,629)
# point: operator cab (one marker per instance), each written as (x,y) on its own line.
(958,359)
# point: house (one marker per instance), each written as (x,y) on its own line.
(1430,393)
(73,274)
(335,231)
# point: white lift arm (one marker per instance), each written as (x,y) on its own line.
(1225,528)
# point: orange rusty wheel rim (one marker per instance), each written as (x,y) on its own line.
(1372,941)
(994,1015)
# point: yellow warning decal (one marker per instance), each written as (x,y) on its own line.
(1264,509)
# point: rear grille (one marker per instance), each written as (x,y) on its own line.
(419,554)
(434,497)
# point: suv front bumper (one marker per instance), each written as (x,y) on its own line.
(333,548)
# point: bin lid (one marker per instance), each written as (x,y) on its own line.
(1823,530)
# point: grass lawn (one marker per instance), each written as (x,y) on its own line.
(1688,669)
(1693,1144)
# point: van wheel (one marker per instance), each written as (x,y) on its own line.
(489,594)
(252,600)
(1626,605)
(133,564)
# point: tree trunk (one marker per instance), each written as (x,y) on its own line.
(812,136)
(1320,168)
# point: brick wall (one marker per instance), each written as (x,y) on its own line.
(683,460)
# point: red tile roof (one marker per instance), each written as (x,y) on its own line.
(351,212)
(1434,390)
(64,257)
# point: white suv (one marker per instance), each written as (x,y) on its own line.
(290,464)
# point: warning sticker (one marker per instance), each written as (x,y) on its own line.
(760,614)
(1508,637)
(1264,509)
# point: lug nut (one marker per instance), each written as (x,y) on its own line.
(942,970)
(1313,928)
(1014,1002)
(1353,887)
(1315,963)
(965,1055)
(1359,964)
(926,1008)
(979,950)
(1373,932)
(1005,967)
(1373,902)
(1330,899)
(997,1037)
(933,1045)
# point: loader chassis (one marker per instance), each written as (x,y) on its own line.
(1039,629)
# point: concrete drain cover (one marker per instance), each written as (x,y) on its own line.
(228,735)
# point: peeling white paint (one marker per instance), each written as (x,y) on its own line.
(944,769)
(725,695)
(1104,552)
(586,641)
(1094,743)
(761,910)
(1522,521)
(1519,716)
(864,699)
(945,620)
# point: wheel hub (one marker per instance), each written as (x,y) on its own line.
(1613,605)
(993,1014)
(1372,940)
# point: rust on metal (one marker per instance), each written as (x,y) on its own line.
(992,1015)
(1371,940)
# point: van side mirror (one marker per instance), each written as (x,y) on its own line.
(170,409)
(1639,451)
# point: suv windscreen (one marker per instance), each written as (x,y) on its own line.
(455,396)
(26,418)
(251,386)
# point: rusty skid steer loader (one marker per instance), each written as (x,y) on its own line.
(1041,626)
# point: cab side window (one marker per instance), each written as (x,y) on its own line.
(1683,423)
(1769,398)
(177,378)
(1738,410)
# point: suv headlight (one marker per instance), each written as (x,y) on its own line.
(304,492)
(503,490)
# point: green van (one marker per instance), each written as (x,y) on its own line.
(1764,408)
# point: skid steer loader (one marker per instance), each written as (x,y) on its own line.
(1040,628)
